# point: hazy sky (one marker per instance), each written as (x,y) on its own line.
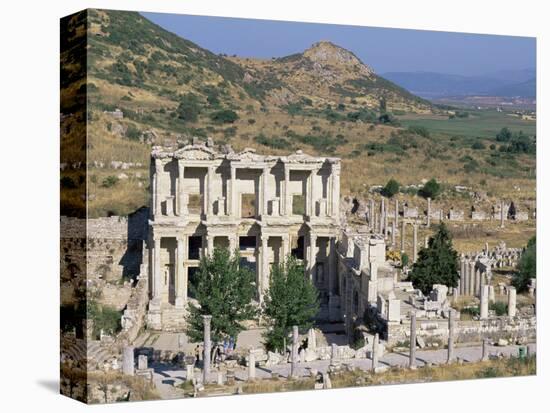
(386,50)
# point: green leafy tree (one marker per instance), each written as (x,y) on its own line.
(431,189)
(225,291)
(527,266)
(391,188)
(189,108)
(436,264)
(224,116)
(504,135)
(291,300)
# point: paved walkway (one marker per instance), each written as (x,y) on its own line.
(168,376)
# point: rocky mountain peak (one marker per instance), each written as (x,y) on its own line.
(325,53)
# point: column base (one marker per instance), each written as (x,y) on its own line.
(180,302)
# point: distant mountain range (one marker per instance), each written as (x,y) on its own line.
(433,85)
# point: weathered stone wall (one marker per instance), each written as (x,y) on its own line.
(466,331)
(109,258)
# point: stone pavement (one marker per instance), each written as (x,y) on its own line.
(165,376)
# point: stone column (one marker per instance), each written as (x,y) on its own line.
(403,223)
(333,353)
(264,275)
(485,350)
(451,343)
(232,243)
(156,282)
(429,217)
(286,247)
(502,214)
(309,195)
(209,190)
(210,245)
(157,187)
(412,352)
(382,216)
(170,205)
(372,221)
(181,201)
(415,242)
(286,201)
(251,364)
(128,360)
(462,275)
(185,275)
(332,264)
(264,190)
(484,303)
(477,282)
(511,302)
(393,232)
(206,319)
(472,276)
(294,354)
(396,212)
(426,241)
(180,251)
(335,190)
(312,254)
(375,352)
(231,196)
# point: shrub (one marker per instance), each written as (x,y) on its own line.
(499,308)
(478,146)
(430,190)
(391,188)
(132,132)
(419,130)
(189,108)
(504,135)
(224,116)
(109,182)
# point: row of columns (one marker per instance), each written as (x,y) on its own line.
(285,208)
(471,278)
(263,267)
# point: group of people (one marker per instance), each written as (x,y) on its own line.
(219,353)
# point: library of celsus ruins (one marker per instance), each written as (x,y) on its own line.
(266,206)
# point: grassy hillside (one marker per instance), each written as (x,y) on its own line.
(324,101)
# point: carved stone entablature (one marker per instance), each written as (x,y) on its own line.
(247,155)
(301,157)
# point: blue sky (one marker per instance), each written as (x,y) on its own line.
(386,50)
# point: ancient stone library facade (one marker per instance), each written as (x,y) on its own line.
(267,207)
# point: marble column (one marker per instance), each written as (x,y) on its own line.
(403,223)
(372,221)
(382,217)
(231,196)
(332,264)
(451,343)
(393,232)
(485,350)
(511,302)
(180,251)
(233,243)
(206,319)
(312,254)
(157,187)
(181,199)
(412,350)
(264,276)
(502,214)
(265,176)
(209,190)
(462,276)
(294,354)
(484,303)
(286,247)
(429,217)
(286,200)
(251,364)
(335,190)
(156,282)
(477,282)
(415,242)
(210,245)
(128,360)
(375,352)
(396,212)
(472,275)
